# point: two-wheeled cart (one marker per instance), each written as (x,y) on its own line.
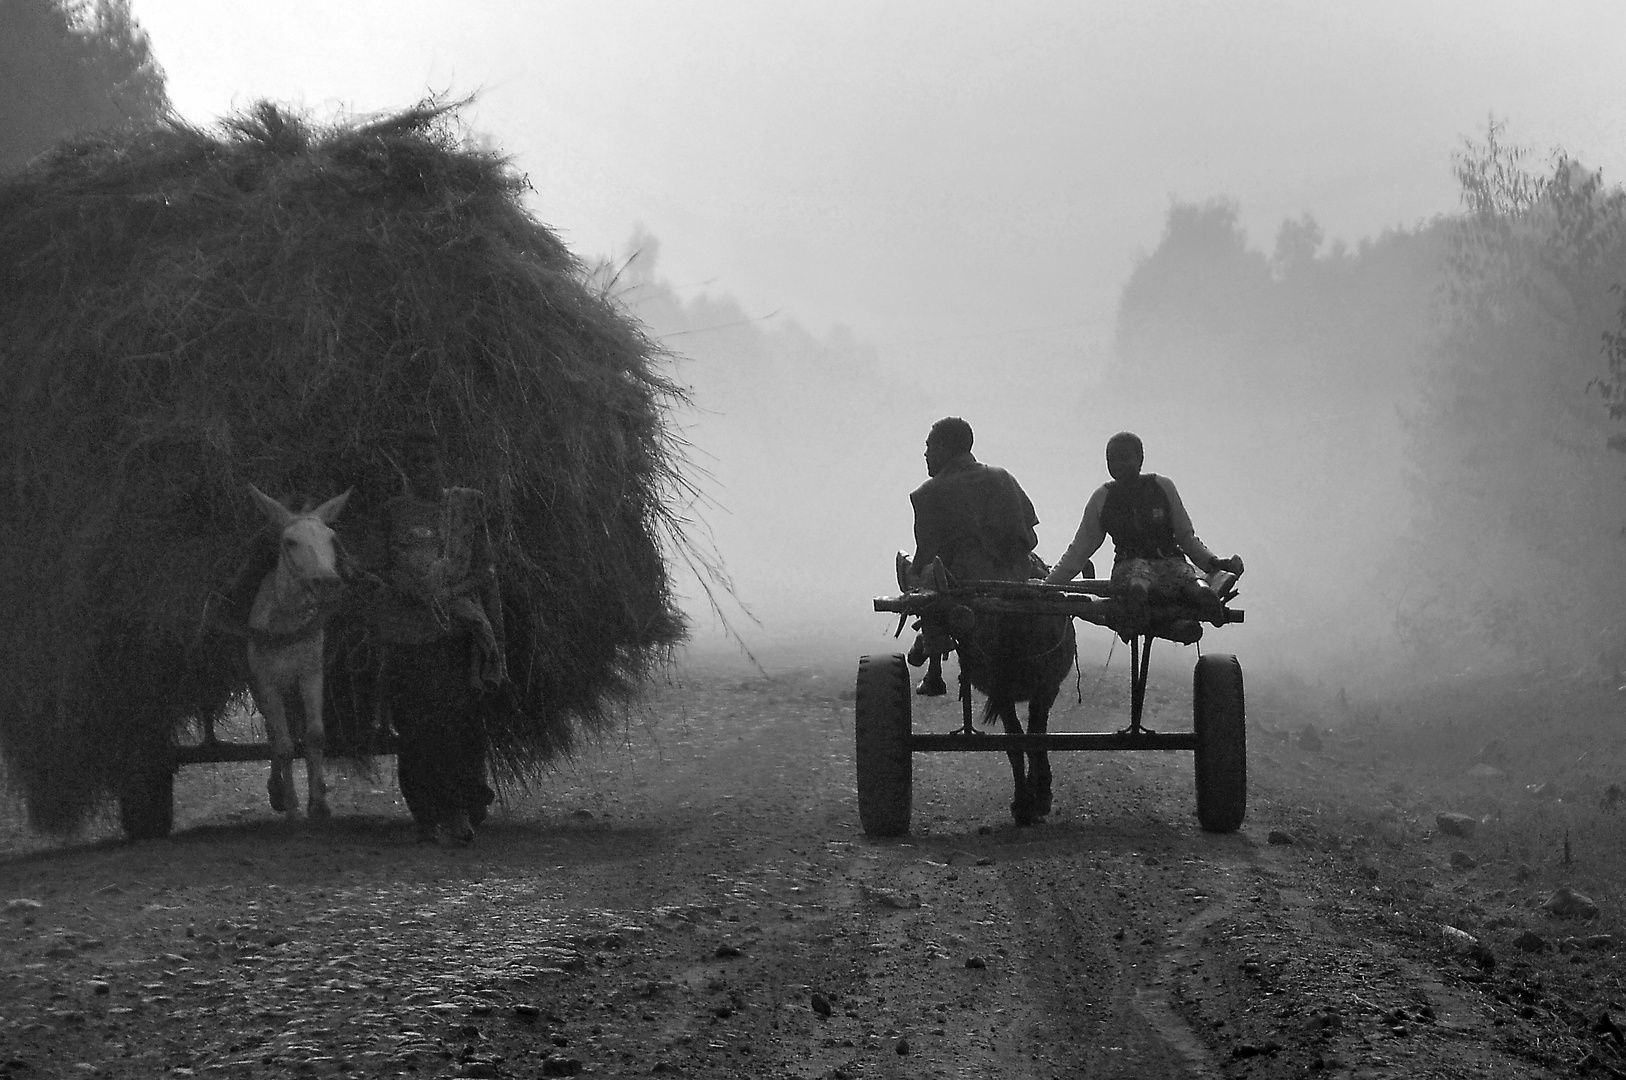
(886,739)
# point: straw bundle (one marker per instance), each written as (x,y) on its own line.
(184,312)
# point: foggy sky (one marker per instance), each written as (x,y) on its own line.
(965,187)
(930,171)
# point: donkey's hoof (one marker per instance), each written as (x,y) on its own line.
(320,812)
(1041,799)
(1023,810)
(273,790)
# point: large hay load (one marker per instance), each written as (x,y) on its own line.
(184,312)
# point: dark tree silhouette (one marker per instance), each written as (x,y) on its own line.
(1516,539)
(68,66)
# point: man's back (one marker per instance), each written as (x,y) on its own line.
(977,519)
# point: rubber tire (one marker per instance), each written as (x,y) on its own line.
(881,726)
(147,803)
(1219,720)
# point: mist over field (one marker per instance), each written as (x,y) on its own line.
(1406,438)
(1405,433)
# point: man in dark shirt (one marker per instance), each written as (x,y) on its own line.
(1152,535)
(438,624)
(975,518)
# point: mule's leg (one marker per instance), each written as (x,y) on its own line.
(1024,810)
(1039,760)
(1045,691)
(281,785)
(310,689)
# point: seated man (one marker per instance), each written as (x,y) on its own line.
(975,518)
(1151,535)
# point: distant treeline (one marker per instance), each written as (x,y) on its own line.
(1428,412)
(69,66)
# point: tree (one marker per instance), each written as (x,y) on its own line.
(69,66)
(1514,552)
(1277,379)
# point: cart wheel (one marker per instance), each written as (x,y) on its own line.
(147,803)
(1220,724)
(882,729)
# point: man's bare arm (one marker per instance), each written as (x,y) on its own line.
(1086,542)
(1186,536)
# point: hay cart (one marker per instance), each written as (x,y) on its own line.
(886,739)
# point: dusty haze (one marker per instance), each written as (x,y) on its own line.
(1239,230)
(1403,437)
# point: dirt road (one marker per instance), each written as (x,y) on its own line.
(698,900)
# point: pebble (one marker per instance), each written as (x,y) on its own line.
(892,898)
(820,1004)
(1566,903)
(1454,824)
(1530,941)
(1247,1050)
(1457,941)
(1281,836)
(975,962)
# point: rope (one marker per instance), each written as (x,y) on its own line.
(1061,639)
(1080,671)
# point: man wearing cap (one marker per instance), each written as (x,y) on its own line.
(975,518)
(1152,537)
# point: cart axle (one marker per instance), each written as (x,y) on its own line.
(1068,740)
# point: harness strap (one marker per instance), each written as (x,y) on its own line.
(313,625)
(275,640)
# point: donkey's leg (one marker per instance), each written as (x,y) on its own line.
(1023,807)
(281,785)
(310,689)
(1039,760)
(1044,696)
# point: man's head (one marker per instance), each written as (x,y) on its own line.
(1125,455)
(948,438)
(418,461)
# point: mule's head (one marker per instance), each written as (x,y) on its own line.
(306,547)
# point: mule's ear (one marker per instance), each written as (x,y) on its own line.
(330,509)
(279,514)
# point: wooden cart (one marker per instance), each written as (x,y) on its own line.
(886,739)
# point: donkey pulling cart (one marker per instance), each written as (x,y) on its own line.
(886,739)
